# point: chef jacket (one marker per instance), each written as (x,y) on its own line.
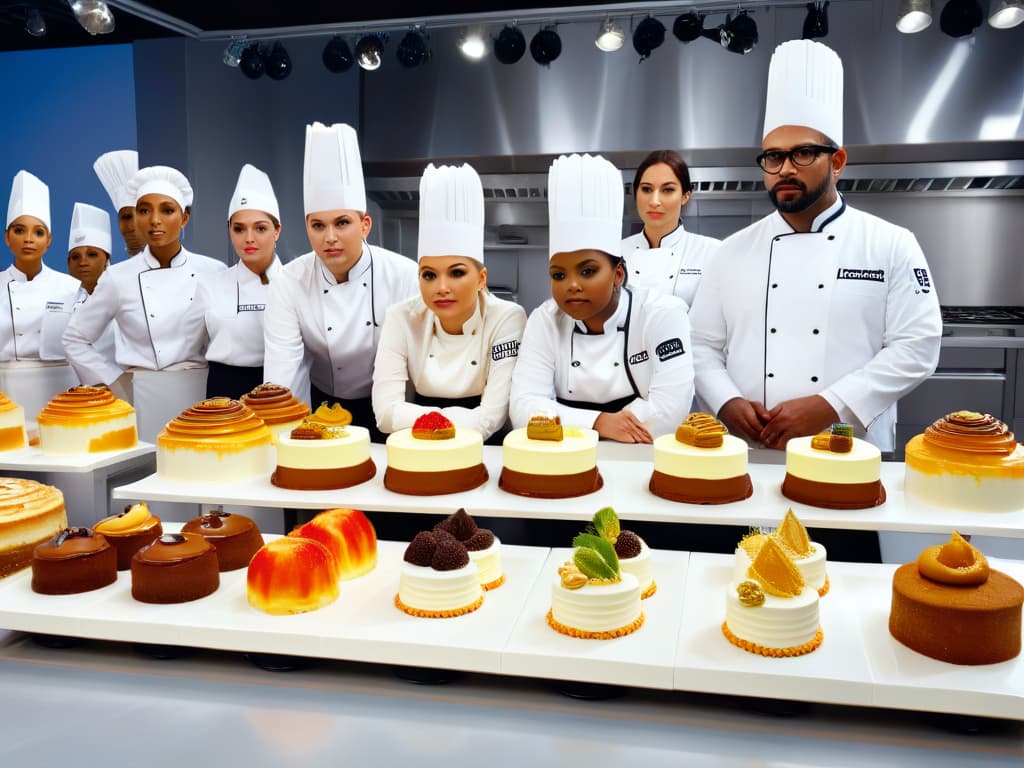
(674,267)
(55,322)
(150,305)
(644,352)
(415,348)
(847,311)
(23,305)
(316,325)
(232,304)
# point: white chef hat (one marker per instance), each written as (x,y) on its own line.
(89,226)
(115,170)
(332,176)
(161,180)
(253,192)
(584,205)
(451,212)
(805,87)
(29,197)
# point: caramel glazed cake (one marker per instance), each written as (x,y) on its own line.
(701,463)
(86,420)
(548,461)
(30,514)
(834,470)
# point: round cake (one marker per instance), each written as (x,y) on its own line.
(235,537)
(434,458)
(276,407)
(548,461)
(86,420)
(130,531)
(176,568)
(483,546)
(313,457)
(833,470)
(967,461)
(437,579)
(30,513)
(633,553)
(808,556)
(348,535)
(75,560)
(291,575)
(701,464)
(215,441)
(12,425)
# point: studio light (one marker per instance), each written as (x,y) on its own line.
(337,56)
(739,34)
(233,51)
(35,24)
(509,45)
(95,16)
(914,16)
(472,44)
(688,27)
(648,35)
(278,63)
(959,18)
(252,63)
(370,52)
(412,50)
(610,36)
(1006,14)
(546,46)
(816,20)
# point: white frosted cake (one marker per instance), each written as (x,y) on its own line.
(700,463)
(86,420)
(833,470)
(434,458)
(483,546)
(810,557)
(548,461)
(437,579)
(315,458)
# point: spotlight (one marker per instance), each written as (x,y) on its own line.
(739,34)
(960,18)
(509,45)
(95,16)
(816,21)
(688,27)
(648,35)
(252,63)
(278,63)
(412,50)
(369,52)
(914,16)
(1006,14)
(337,56)
(610,36)
(472,45)
(546,46)
(233,52)
(35,24)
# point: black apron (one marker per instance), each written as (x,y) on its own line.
(232,381)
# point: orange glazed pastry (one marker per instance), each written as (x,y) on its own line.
(176,568)
(30,513)
(291,575)
(348,535)
(75,560)
(86,420)
(235,537)
(277,407)
(12,425)
(130,531)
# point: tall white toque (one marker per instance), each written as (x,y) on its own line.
(584,205)
(89,226)
(29,197)
(115,170)
(161,180)
(332,175)
(451,212)
(805,87)
(253,192)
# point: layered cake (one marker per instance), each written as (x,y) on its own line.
(701,463)
(130,531)
(86,420)
(967,461)
(315,457)
(215,441)
(30,513)
(277,407)
(591,597)
(235,537)
(75,560)
(433,458)
(808,556)
(951,606)
(549,461)
(768,608)
(176,568)
(437,579)
(483,546)
(834,470)
(633,553)
(291,575)
(12,425)
(349,537)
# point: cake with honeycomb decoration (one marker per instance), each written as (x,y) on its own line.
(323,453)
(86,420)
(433,457)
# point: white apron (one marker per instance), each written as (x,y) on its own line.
(159,396)
(33,383)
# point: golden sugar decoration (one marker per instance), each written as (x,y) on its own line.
(701,430)
(750,594)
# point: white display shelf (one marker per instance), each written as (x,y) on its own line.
(32,459)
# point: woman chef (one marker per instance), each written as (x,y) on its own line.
(599,354)
(455,342)
(325,310)
(115,170)
(232,303)
(159,363)
(663,256)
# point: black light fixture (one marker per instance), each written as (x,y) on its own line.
(816,20)
(337,56)
(546,46)
(960,18)
(278,63)
(688,26)
(370,52)
(252,64)
(412,50)
(648,35)
(35,24)
(738,34)
(509,45)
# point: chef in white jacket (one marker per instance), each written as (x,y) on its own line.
(115,171)
(600,354)
(455,344)
(817,313)
(663,256)
(326,308)
(27,287)
(159,364)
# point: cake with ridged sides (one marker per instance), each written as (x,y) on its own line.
(808,556)
(438,580)
(701,463)
(86,420)
(483,547)
(12,425)
(30,513)
(433,458)
(834,470)
(277,407)
(547,460)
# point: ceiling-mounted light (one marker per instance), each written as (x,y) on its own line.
(648,35)
(738,34)
(95,16)
(337,56)
(252,63)
(233,51)
(688,26)
(472,44)
(1006,14)
(509,45)
(35,24)
(610,36)
(412,50)
(816,20)
(914,16)
(960,18)
(546,46)
(278,63)
(370,52)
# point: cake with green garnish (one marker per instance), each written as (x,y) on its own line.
(438,580)
(633,553)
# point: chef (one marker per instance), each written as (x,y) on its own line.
(663,256)
(455,343)
(115,170)
(817,313)
(233,303)
(159,364)
(325,310)
(599,354)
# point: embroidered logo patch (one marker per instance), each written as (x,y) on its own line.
(251,307)
(504,349)
(54,306)
(639,357)
(691,271)
(875,275)
(922,279)
(669,349)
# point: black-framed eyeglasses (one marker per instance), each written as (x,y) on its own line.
(802,156)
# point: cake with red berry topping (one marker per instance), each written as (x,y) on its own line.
(483,546)
(438,580)
(434,458)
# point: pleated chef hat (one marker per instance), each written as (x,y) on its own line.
(333,171)
(161,180)
(89,226)
(253,192)
(584,205)
(805,87)
(451,212)
(115,170)
(29,197)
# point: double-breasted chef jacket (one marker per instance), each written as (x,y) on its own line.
(414,349)
(847,311)
(642,362)
(674,266)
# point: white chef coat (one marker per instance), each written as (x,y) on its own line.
(674,267)
(23,305)
(55,322)
(233,304)
(415,348)
(648,337)
(328,330)
(847,311)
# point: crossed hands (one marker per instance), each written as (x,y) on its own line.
(792,418)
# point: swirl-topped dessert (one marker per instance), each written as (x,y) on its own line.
(30,513)
(701,463)
(176,568)
(277,407)
(950,605)
(86,420)
(433,458)
(438,580)
(971,432)
(547,460)
(235,537)
(75,560)
(834,470)
(12,425)
(130,531)
(317,457)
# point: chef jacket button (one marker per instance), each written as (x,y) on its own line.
(775,285)
(325,290)
(364,285)
(575,363)
(831,237)
(330,327)
(367,322)
(814,378)
(777,239)
(615,364)
(771,375)
(773,330)
(815,331)
(151,314)
(472,362)
(473,333)
(636,271)
(821,285)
